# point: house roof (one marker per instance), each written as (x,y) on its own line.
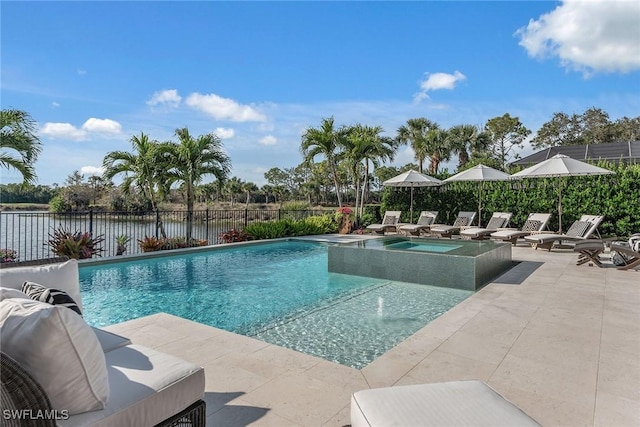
(616,152)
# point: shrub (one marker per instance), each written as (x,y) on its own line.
(8,255)
(326,223)
(233,236)
(76,244)
(269,230)
(150,244)
(295,206)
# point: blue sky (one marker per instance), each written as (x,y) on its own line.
(92,74)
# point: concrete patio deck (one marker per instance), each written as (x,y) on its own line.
(560,341)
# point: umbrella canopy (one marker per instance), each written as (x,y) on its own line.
(479,173)
(560,166)
(412,179)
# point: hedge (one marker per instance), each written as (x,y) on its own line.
(617,197)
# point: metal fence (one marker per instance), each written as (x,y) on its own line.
(28,233)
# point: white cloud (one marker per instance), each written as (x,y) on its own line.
(81,72)
(587,36)
(225,133)
(224,108)
(54,104)
(63,130)
(167,98)
(102,126)
(268,140)
(92,170)
(438,81)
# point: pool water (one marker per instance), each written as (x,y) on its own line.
(278,292)
(423,247)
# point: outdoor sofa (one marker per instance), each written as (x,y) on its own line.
(454,403)
(54,362)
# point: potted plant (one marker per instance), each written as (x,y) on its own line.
(122,241)
(76,244)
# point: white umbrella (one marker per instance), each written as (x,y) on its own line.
(560,166)
(412,179)
(479,173)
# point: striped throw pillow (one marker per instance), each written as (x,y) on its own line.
(50,296)
(578,229)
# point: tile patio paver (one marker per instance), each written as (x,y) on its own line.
(560,341)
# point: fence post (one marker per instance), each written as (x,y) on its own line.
(91,221)
(157,222)
(206,222)
(246,217)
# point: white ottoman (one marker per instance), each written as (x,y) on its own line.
(457,403)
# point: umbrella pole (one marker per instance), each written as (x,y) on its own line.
(479,204)
(560,205)
(411,207)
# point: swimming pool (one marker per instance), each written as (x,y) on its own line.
(278,292)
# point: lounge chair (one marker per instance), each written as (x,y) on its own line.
(426,220)
(389,223)
(454,403)
(498,220)
(464,219)
(579,230)
(535,223)
(589,251)
(628,253)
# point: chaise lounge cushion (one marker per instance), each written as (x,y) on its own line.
(151,386)
(59,350)
(63,276)
(456,403)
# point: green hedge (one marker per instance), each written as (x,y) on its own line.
(617,197)
(317,224)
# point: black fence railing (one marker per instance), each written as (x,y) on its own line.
(27,233)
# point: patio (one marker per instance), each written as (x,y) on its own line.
(558,340)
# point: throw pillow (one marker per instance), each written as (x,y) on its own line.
(531,225)
(63,275)
(59,350)
(578,229)
(495,223)
(461,221)
(49,295)
(389,220)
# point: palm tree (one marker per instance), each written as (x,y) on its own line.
(142,169)
(17,133)
(461,140)
(415,133)
(325,141)
(365,144)
(437,148)
(248,188)
(190,160)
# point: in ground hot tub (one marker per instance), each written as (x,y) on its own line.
(460,264)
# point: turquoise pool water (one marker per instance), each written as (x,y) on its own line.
(278,292)
(423,247)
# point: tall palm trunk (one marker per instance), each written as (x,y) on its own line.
(189,232)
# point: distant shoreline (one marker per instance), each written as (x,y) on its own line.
(4,207)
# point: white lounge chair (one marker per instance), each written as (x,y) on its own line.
(425,221)
(579,230)
(498,220)
(454,403)
(464,219)
(389,223)
(536,222)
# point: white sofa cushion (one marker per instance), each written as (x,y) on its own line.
(110,341)
(149,387)
(59,350)
(6,293)
(63,276)
(456,403)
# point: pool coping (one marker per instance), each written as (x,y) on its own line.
(552,337)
